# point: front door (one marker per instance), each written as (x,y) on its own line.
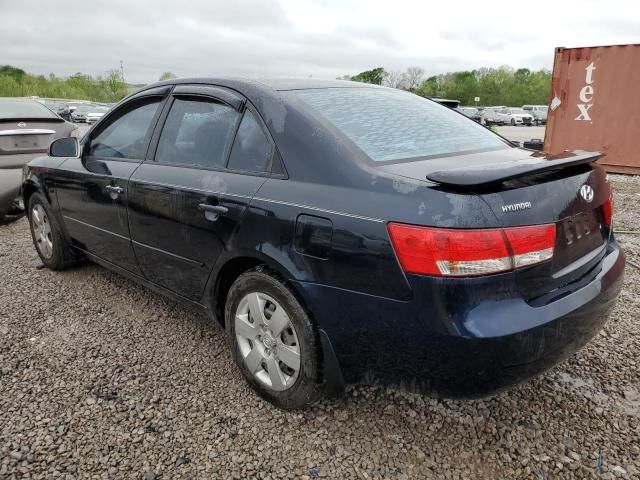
(92,190)
(185,204)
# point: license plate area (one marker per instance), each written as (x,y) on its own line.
(577,236)
(578,227)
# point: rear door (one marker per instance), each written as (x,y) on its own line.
(92,190)
(185,200)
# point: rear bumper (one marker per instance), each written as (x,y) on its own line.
(460,338)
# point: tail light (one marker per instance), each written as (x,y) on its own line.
(607,211)
(460,253)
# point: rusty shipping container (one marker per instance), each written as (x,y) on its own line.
(595,104)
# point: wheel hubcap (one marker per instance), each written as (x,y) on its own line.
(42,231)
(267,341)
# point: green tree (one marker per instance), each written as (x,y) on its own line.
(495,86)
(114,86)
(16,82)
(9,71)
(375,76)
(167,76)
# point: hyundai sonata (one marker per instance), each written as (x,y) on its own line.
(340,232)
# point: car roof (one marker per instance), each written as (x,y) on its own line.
(275,84)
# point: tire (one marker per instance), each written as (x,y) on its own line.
(263,350)
(513,122)
(53,249)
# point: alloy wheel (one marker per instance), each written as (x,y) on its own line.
(268,341)
(42,231)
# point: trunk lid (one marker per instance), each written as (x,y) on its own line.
(524,188)
(26,136)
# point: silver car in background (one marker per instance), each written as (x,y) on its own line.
(96,113)
(79,114)
(27,127)
(492,116)
(539,113)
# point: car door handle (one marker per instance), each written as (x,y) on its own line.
(213,208)
(212,212)
(114,189)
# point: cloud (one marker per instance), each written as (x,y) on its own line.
(322,38)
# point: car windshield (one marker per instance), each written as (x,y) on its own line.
(395,125)
(11,109)
(516,110)
(85,108)
(99,109)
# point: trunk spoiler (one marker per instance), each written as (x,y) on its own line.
(538,162)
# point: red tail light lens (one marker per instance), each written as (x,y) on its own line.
(531,245)
(607,211)
(457,252)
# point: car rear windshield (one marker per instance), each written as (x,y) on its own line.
(16,109)
(395,125)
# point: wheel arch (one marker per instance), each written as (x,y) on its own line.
(229,269)
(223,277)
(33,185)
(28,189)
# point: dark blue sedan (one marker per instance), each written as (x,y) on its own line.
(339,232)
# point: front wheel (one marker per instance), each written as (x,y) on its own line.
(53,249)
(272,340)
(513,122)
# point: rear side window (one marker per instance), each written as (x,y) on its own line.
(395,125)
(252,151)
(197,132)
(126,135)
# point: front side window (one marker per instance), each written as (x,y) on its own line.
(126,136)
(252,151)
(394,125)
(198,133)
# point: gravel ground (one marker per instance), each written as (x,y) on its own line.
(99,378)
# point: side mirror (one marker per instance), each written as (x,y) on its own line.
(64,147)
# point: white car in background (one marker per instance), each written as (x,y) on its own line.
(517,116)
(96,113)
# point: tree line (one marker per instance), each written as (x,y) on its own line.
(495,86)
(15,82)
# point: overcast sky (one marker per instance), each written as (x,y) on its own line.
(321,38)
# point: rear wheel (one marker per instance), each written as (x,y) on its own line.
(272,340)
(53,249)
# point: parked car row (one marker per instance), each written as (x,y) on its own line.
(501,115)
(76,111)
(88,113)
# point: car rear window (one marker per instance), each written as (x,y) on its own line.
(396,125)
(15,109)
